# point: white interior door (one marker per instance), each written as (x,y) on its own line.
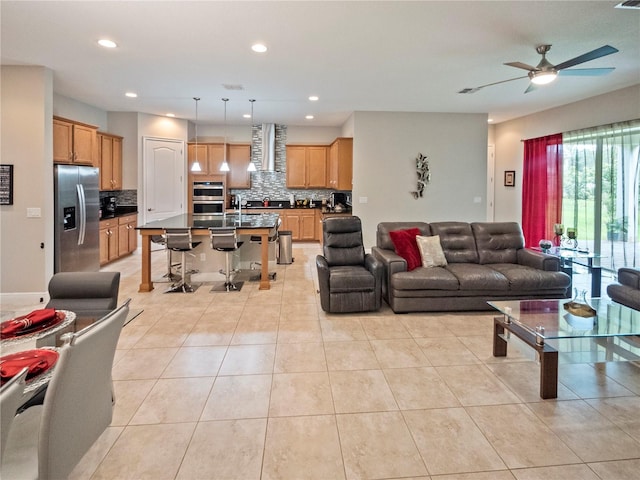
(491,184)
(164,171)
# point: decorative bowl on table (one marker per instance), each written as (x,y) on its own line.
(545,245)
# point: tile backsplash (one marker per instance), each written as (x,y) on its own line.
(123,197)
(274,184)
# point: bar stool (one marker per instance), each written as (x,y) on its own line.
(180,240)
(170,275)
(225,240)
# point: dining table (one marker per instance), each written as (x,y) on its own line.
(255,224)
(34,344)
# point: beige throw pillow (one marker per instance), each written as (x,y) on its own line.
(431,251)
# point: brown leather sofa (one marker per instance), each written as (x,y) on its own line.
(485,261)
(627,291)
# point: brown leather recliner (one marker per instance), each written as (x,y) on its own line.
(349,279)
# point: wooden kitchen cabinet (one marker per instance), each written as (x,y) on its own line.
(210,157)
(127,235)
(302,224)
(306,166)
(108,240)
(238,157)
(74,142)
(110,161)
(340,176)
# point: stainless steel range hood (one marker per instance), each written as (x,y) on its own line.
(268,147)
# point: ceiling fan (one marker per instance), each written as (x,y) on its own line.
(546,72)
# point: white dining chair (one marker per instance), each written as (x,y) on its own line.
(11,395)
(47,441)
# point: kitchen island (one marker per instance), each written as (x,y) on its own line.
(258,224)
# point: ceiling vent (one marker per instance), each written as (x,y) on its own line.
(231,86)
(630,4)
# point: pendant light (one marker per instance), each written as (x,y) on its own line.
(252,166)
(225,166)
(195,167)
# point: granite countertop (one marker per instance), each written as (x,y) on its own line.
(276,205)
(121,211)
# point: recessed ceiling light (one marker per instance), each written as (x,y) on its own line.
(131,94)
(106,43)
(490,120)
(171,115)
(259,48)
(314,98)
(309,117)
(246,115)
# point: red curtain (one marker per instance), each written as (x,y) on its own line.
(541,188)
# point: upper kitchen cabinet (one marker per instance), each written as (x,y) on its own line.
(306,166)
(74,142)
(341,164)
(238,157)
(110,161)
(210,156)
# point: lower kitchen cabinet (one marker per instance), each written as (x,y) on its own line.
(118,237)
(127,235)
(302,224)
(108,240)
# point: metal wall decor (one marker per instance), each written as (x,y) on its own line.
(424,174)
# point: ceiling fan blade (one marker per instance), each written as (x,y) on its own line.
(474,90)
(592,55)
(531,88)
(584,72)
(524,66)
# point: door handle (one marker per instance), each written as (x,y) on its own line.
(149,209)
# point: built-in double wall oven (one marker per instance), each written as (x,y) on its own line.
(208,197)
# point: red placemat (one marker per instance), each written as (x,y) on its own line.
(37,361)
(31,323)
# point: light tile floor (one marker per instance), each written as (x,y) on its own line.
(264,385)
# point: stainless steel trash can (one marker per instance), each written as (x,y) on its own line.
(285,253)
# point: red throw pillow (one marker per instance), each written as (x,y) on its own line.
(404,241)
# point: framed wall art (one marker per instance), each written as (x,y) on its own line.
(6,184)
(509,178)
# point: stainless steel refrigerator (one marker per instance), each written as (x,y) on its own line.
(76,229)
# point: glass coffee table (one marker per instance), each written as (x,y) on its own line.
(537,321)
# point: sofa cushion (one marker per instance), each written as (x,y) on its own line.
(472,276)
(344,279)
(383,240)
(523,278)
(457,241)
(498,242)
(435,278)
(431,251)
(405,245)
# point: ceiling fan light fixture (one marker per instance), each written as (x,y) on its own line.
(544,77)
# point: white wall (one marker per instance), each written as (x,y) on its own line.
(613,107)
(27,144)
(80,112)
(385,147)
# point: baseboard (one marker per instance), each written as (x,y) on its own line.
(23,298)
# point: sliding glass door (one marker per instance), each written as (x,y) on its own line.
(601,191)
